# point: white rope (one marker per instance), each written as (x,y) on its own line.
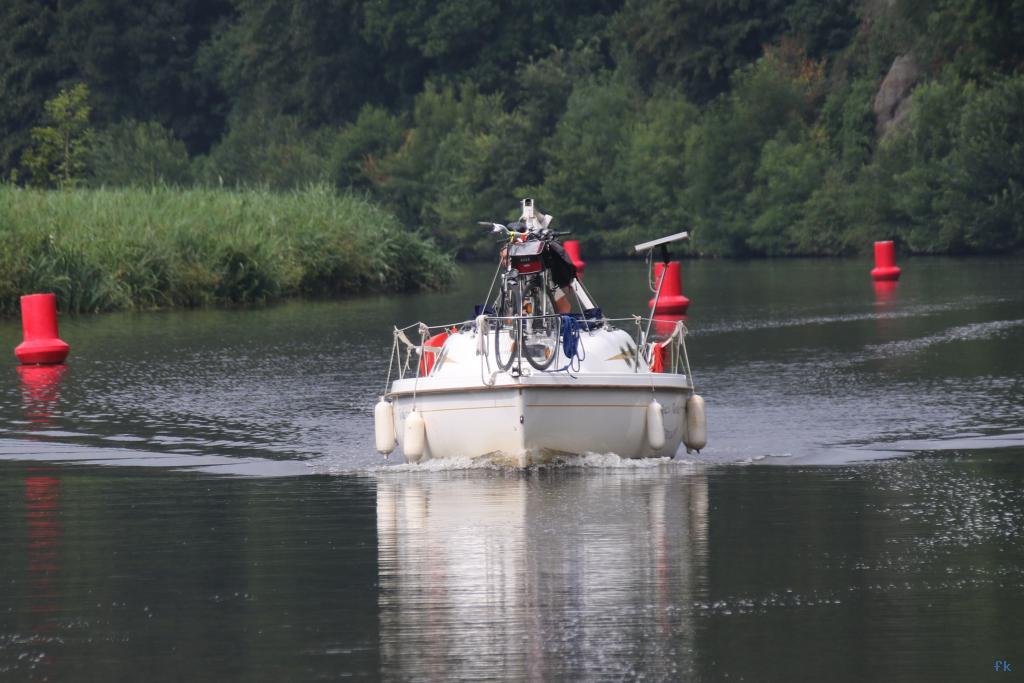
(686,357)
(490,289)
(391,362)
(483,334)
(678,332)
(650,270)
(421,325)
(639,352)
(485,360)
(400,336)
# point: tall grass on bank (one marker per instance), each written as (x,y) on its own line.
(119,249)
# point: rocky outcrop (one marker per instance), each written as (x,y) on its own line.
(892,102)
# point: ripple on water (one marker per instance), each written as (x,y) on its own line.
(959,507)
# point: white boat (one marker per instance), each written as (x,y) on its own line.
(521,384)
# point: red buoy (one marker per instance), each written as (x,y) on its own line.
(671,299)
(39,324)
(665,323)
(885,269)
(572,248)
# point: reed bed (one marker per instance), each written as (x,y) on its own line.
(120,249)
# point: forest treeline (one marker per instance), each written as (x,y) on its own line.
(782,127)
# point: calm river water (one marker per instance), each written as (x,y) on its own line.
(195,496)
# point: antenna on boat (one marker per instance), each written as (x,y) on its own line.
(662,242)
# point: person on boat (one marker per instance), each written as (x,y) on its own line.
(563,272)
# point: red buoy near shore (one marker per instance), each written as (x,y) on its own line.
(42,345)
(671,299)
(572,248)
(885,269)
(665,323)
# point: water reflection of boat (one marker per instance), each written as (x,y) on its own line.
(527,380)
(562,577)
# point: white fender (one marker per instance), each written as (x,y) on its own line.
(384,426)
(482,329)
(655,425)
(415,437)
(696,435)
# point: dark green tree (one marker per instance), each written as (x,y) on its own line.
(358,150)
(583,152)
(980,37)
(988,168)
(540,95)
(264,149)
(696,43)
(456,165)
(822,27)
(139,57)
(476,40)
(306,59)
(61,148)
(789,172)
(647,182)
(771,99)
(133,153)
(32,68)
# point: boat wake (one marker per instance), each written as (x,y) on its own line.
(588,461)
(972,332)
(753,324)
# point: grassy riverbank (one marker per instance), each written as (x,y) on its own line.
(119,249)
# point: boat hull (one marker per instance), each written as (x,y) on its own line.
(524,423)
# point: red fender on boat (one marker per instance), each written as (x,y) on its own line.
(431,348)
(658,358)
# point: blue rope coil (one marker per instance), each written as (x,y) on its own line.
(571,346)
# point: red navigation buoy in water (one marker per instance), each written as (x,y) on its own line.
(885,269)
(572,248)
(665,323)
(671,299)
(39,324)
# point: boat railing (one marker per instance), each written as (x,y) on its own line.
(665,352)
